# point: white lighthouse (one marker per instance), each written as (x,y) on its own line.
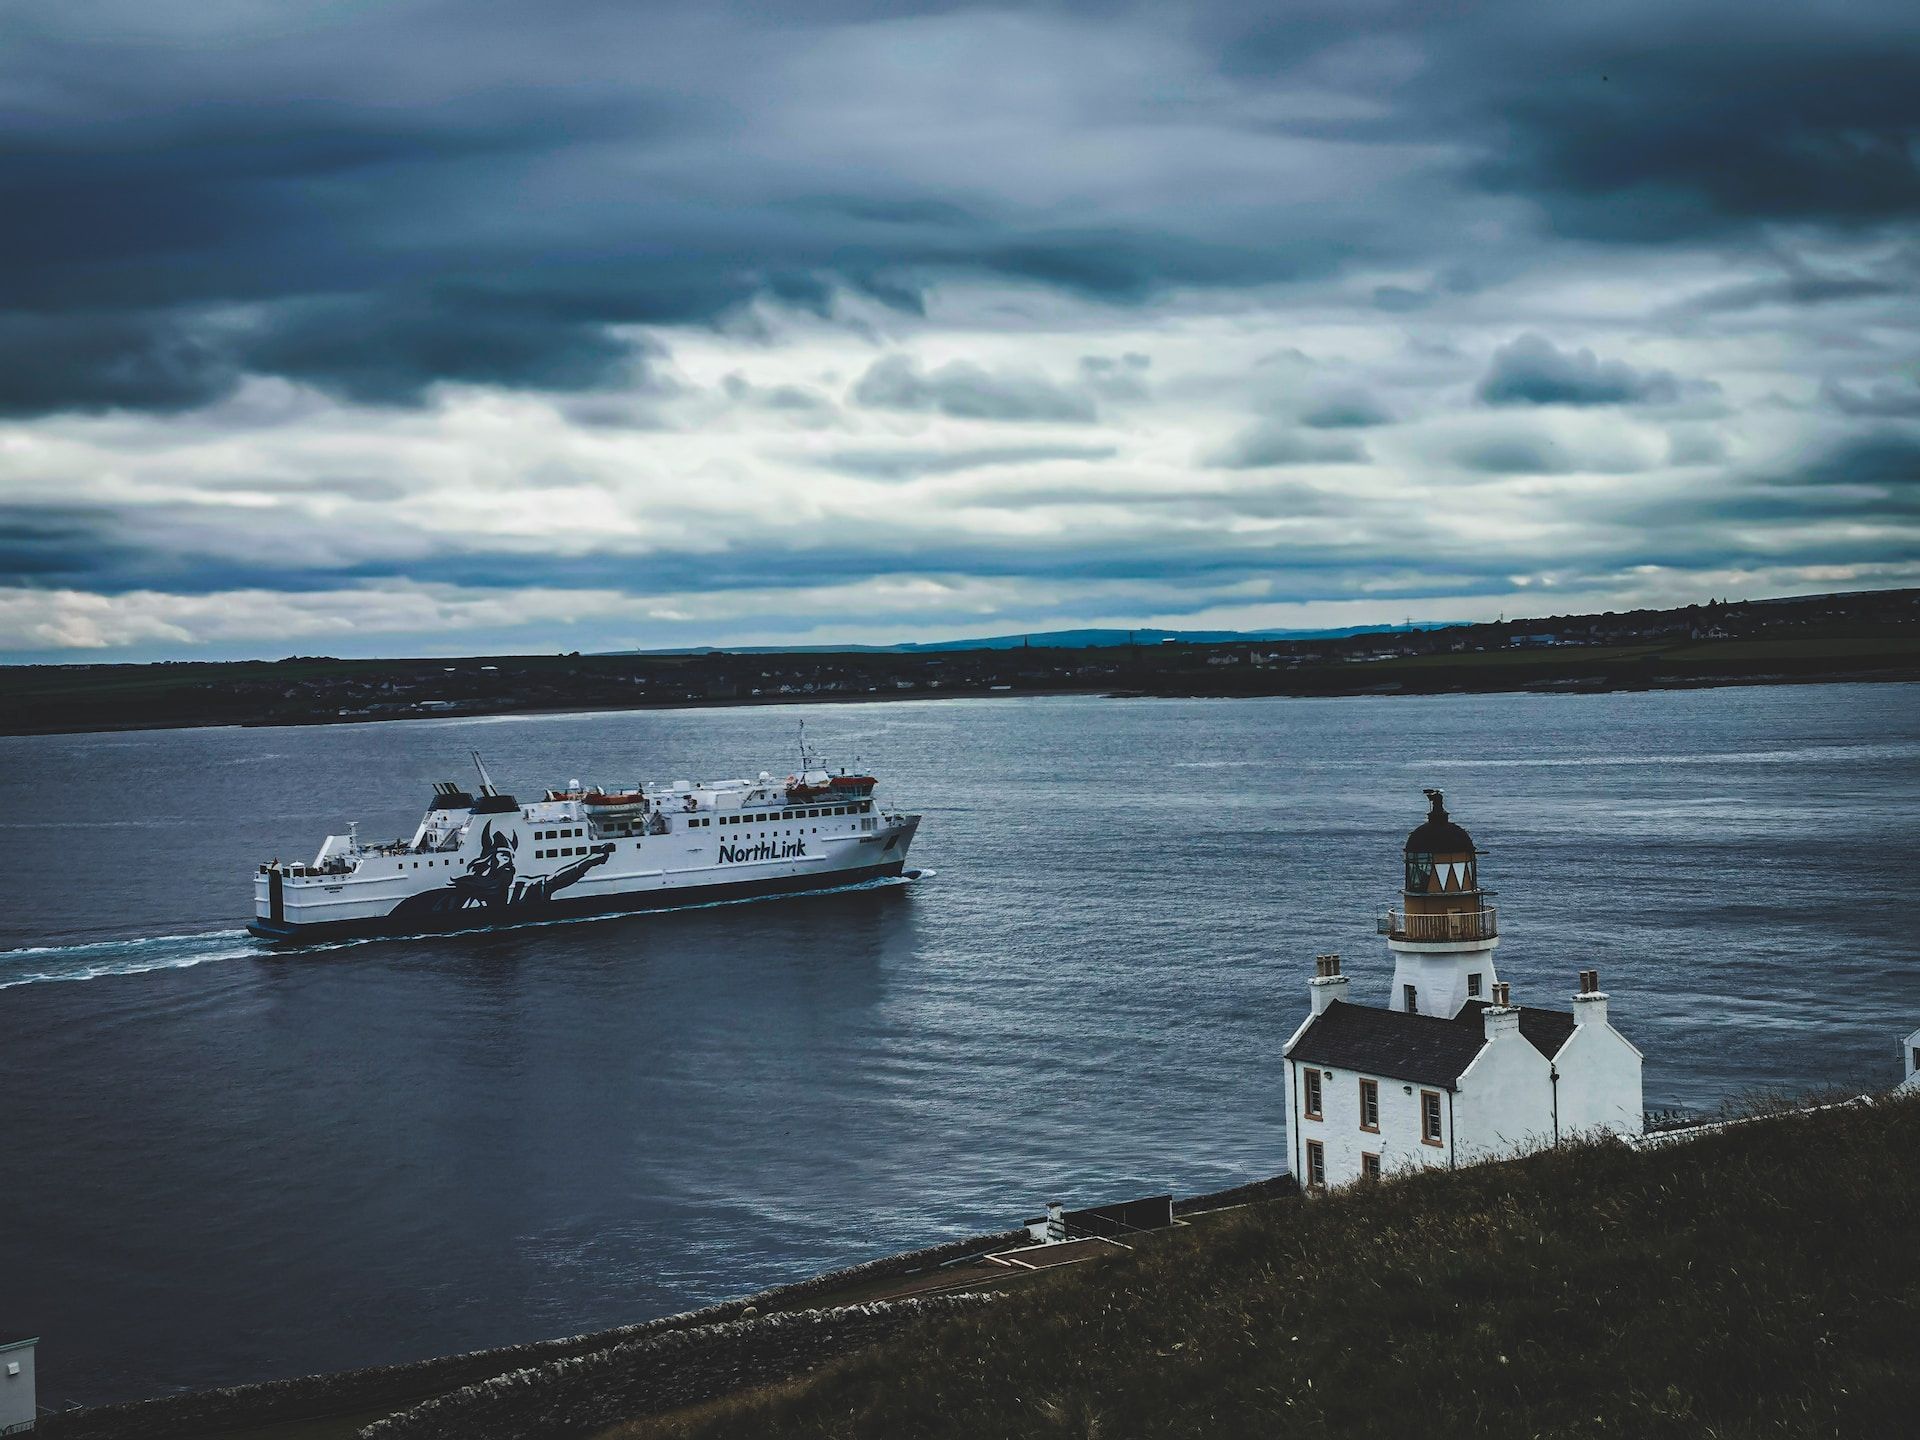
(1450,1070)
(1445,930)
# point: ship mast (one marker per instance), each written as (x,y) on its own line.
(486,780)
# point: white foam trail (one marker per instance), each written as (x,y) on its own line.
(39,964)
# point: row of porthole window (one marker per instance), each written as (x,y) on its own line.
(779,815)
(563,850)
(557,834)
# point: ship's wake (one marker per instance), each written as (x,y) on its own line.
(38,964)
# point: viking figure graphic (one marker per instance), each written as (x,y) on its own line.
(492,883)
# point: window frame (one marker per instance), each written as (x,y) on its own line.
(1316,1165)
(1436,1134)
(1410,997)
(1370,1093)
(1473,985)
(1370,1165)
(1312,1097)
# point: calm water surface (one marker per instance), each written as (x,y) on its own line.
(222,1164)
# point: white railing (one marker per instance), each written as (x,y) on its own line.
(1458,925)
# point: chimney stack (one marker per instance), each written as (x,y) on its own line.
(1590,1005)
(1502,1015)
(1056,1222)
(1328,984)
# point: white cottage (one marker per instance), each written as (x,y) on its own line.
(17,1408)
(1453,1071)
(1910,1061)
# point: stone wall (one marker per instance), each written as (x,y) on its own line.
(584,1394)
(1279,1187)
(176,1417)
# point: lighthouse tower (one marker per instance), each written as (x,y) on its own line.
(1444,932)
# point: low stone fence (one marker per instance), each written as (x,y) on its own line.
(1278,1187)
(587,1393)
(204,1412)
(886,1268)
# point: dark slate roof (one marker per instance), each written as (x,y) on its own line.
(14,1337)
(1547,1029)
(1426,1049)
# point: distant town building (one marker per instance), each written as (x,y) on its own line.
(1910,1058)
(1450,1070)
(17,1409)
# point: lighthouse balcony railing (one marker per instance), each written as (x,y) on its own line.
(1459,925)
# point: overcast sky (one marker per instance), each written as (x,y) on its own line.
(457,325)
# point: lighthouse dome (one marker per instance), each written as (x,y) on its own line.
(1437,835)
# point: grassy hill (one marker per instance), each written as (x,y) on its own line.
(1764,1281)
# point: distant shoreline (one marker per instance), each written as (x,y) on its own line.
(1395,689)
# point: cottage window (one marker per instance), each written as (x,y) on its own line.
(1430,1117)
(1370,1105)
(1411,994)
(1473,983)
(1311,1078)
(1369,1166)
(1316,1163)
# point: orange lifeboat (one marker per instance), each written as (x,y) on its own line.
(599,799)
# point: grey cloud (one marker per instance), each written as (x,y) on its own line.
(906,464)
(1399,300)
(1888,460)
(1346,410)
(1695,447)
(1530,371)
(1514,455)
(967,391)
(1889,401)
(1794,289)
(797,398)
(1119,378)
(1269,443)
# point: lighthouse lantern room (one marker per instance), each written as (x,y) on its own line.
(1445,930)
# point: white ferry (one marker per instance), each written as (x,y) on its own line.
(488,859)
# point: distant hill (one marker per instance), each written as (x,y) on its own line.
(1052,640)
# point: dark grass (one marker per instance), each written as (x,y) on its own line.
(1763,1281)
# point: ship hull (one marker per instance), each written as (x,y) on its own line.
(562,907)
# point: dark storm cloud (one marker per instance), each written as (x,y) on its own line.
(1530,371)
(388,349)
(966,391)
(416,192)
(1888,461)
(1667,122)
(54,544)
(1844,503)
(132,361)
